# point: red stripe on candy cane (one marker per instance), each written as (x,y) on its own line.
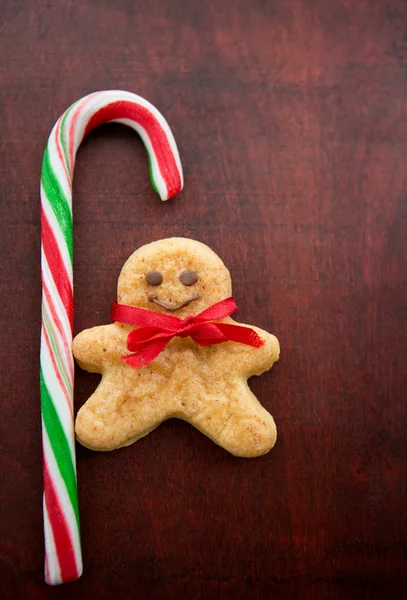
(63,540)
(57,266)
(123,109)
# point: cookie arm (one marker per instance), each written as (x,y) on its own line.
(94,348)
(253,361)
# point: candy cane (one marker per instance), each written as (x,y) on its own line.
(63,560)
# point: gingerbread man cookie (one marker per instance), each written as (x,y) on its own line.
(174,352)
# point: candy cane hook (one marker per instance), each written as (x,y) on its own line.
(63,559)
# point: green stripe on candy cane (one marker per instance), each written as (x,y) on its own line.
(57,200)
(59,443)
(150,170)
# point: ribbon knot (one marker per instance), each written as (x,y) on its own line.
(185,324)
(156,330)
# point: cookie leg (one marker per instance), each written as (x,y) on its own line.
(109,420)
(237,422)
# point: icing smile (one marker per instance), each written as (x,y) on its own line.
(154,299)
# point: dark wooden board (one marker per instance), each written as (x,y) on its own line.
(291,123)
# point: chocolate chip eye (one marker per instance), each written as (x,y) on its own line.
(188,277)
(154,278)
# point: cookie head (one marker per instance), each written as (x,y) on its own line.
(174,276)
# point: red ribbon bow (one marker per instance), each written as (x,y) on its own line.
(156,330)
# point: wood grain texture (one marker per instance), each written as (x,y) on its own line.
(291,123)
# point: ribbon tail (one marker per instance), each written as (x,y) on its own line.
(241,334)
(147,354)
